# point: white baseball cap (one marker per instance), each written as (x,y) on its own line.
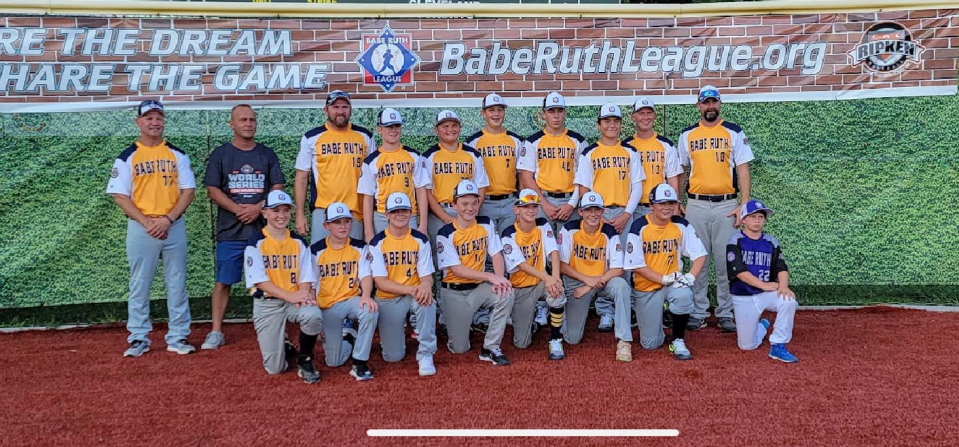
(554,101)
(609,109)
(276,198)
(337,211)
(465,188)
(398,201)
(527,197)
(493,99)
(663,193)
(708,91)
(643,102)
(338,94)
(591,200)
(148,106)
(754,206)
(446,115)
(389,117)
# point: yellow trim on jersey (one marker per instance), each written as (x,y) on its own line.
(156,177)
(449,167)
(652,155)
(471,245)
(281,260)
(555,162)
(610,165)
(394,173)
(499,159)
(588,254)
(531,244)
(401,256)
(339,165)
(338,274)
(661,252)
(710,154)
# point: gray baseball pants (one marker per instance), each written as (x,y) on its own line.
(392,322)
(144,253)
(577,309)
(524,310)
(714,229)
(459,306)
(338,350)
(649,313)
(269,320)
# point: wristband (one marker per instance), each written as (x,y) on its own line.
(168,218)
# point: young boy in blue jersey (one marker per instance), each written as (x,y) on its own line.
(759,281)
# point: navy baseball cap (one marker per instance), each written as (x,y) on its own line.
(149,106)
(754,206)
(708,91)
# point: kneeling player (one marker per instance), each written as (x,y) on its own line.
(279,269)
(402,269)
(654,248)
(461,249)
(526,245)
(342,271)
(591,261)
(759,281)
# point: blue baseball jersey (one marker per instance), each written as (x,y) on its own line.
(762,257)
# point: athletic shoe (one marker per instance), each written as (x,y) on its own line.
(480,327)
(779,352)
(180,347)
(605,323)
(306,370)
(727,325)
(624,351)
(678,349)
(495,356)
(137,348)
(426,366)
(695,324)
(556,349)
(361,372)
(213,340)
(542,315)
(289,349)
(348,328)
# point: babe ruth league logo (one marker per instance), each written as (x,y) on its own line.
(386,59)
(114,173)
(281,196)
(249,262)
(340,209)
(398,200)
(730,256)
(507,249)
(885,48)
(629,247)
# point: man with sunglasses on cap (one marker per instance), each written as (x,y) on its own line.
(403,273)
(462,247)
(393,167)
(717,156)
(330,163)
(498,147)
(526,247)
(656,153)
(153,184)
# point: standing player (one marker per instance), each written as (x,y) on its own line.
(153,184)
(279,270)
(333,153)
(718,156)
(344,292)
(238,177)
(591,261)
(462,247)
(498,147)
(657,242)
(759,281)
(392,168)
(526,246)
(402,269)
(656,153)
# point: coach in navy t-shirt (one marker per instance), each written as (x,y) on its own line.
(238,177)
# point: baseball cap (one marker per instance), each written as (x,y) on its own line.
(389,117)
(446,115)
(663,193)
(708,91)
(337,211)
(276,198)
(465,188)
(398,201)
(554,101)
(643,102)
(149,105)
(338,94)
(493,99)
(591,200)
(609,109)
(527,197)
(754,206)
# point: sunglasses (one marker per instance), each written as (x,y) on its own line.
(528,200)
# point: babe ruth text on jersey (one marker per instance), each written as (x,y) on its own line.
(285,263)
(339,270)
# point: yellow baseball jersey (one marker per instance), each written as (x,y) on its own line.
(468,247)
(712,154)
(447,168)
(403,260)
(660,161)
(532,248)
(336,160)
(590,254)
(610,171)
(286,262)
(660,248)
(499,159)
(552,160)
(339,271)
(151,176)
(386,172)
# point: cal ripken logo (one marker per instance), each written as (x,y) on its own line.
(386,59)
(886,47)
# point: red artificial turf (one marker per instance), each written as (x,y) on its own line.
(866,378)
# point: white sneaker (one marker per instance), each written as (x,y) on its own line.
(137,348)
(541,315)
(678,348)
(556,350)
(180,347)
(213,340)
(426,366)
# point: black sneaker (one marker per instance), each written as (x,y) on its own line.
(494,356)
(695,324)
(362,372)
(727,325)
(306,370)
